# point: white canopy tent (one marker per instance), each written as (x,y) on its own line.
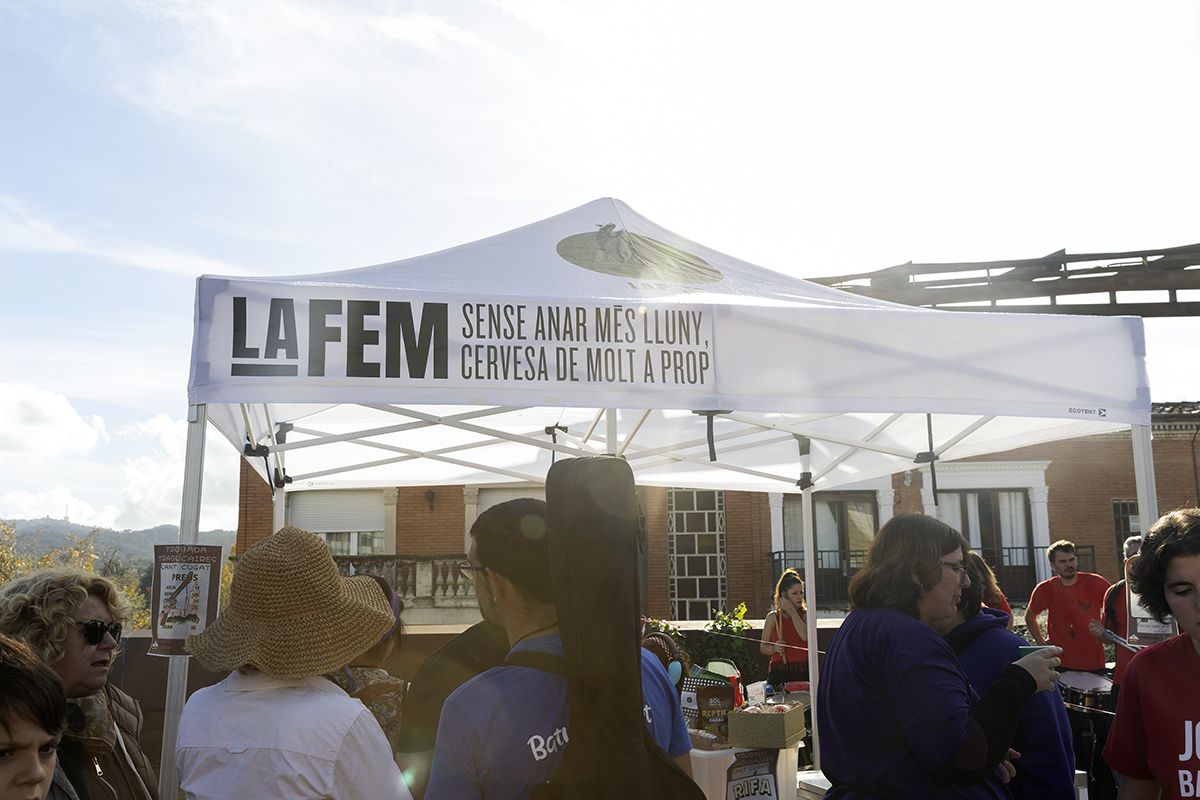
(597,331)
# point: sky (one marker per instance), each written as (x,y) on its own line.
(146,142)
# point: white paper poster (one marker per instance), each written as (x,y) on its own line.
(187,585)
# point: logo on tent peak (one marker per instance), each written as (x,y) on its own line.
(614,251)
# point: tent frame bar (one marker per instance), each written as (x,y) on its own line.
(189,533)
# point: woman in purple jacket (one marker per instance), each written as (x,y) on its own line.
(985,647)
(897,717)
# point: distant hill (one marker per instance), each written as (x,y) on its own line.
(39,535)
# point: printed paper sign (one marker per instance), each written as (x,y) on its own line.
(187,585)
(751,776)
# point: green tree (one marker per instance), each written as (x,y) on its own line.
(227,577)
(79,552)
(725,637)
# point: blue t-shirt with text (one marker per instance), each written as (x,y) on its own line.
(503,732)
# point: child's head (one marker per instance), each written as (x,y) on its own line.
(33,714)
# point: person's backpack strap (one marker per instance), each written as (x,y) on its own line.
(536,659)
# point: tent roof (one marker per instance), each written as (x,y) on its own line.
(456,367)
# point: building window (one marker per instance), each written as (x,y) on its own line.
(1126,520)
(996,522)
(844,524)
(696,552)
(1126,523)
(354,543)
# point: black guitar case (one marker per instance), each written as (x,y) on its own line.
(593,543)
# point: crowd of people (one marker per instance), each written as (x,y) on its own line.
(925,690)
(925,693)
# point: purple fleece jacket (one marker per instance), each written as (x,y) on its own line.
(1046,768)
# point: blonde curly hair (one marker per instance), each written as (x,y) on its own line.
(36,608)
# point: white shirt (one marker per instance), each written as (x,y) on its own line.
(253,736)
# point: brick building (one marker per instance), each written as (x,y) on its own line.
(711,549)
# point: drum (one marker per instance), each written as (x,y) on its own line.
(1086,692)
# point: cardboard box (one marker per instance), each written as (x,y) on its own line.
(767,729)
(704,740)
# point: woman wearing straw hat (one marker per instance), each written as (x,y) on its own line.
(274,727)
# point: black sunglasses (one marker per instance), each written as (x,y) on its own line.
(94,630)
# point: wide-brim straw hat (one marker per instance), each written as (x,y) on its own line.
(291,614)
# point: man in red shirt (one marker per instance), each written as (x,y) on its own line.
(1073,599)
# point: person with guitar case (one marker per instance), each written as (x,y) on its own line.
(593,543)
(578,709)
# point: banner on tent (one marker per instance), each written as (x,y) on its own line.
(338,336)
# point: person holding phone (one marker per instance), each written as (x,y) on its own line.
(785,632)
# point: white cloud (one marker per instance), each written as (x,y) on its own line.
(153,481)
(22,230)
(42,424)
(424,31)
(54,503)
(101,370)
(136,482)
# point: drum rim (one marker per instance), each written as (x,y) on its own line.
(1105,686)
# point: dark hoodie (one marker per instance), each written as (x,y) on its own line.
(1046,768)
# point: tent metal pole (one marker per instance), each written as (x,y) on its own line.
(610,431)
(810,599)
(1143,473)
(189,533)
(279,511)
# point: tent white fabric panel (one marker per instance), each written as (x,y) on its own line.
(462,367)
(489,344)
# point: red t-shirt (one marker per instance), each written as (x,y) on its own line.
(1071,608)
(1119,598)
(1156,735)
(790,636)
(1005,607)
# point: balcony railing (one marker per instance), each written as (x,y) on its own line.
(1015,569)
(421,581)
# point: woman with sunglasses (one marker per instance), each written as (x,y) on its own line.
(73,620)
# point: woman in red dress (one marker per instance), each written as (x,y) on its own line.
(785,633)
